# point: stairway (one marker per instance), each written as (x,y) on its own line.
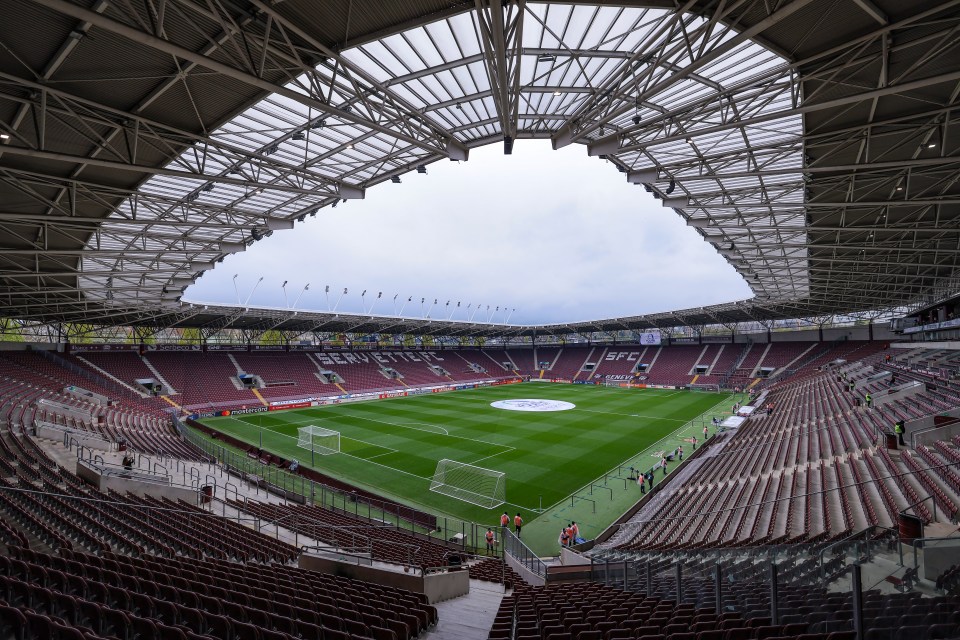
(107,374)
(262,400)
(160,378)
(469,617)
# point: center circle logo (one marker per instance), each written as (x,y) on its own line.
(533,405)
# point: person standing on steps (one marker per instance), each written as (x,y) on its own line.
(489,537)
(518,523)
(898,429)
(504,521)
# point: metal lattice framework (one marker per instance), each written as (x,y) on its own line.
(141,141)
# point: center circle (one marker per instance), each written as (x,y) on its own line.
(533,405)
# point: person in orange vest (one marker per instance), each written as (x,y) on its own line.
(576,532)
(518,523)
(568,531)
(504,520)
(489,541)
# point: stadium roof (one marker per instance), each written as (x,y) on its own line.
(809,141)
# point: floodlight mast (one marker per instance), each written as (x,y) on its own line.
(305,287)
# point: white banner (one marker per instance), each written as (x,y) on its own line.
(650,338)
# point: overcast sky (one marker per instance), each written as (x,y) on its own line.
(556,235)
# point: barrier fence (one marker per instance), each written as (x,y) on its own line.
(463,535)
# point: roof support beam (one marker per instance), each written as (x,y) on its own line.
(501,33)
(149,40)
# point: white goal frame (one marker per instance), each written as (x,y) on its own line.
(318,440)
(483,487)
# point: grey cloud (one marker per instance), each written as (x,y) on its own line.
(555,234)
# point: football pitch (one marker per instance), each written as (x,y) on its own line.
(392,446)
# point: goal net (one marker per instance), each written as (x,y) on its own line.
(477,485)
(318,440)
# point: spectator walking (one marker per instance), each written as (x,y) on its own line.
(490,541)
(869,400)
(680,453)
(504,520)
(518,523)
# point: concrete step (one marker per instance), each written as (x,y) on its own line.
(468,617)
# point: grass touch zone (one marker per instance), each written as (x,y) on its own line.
(393,446)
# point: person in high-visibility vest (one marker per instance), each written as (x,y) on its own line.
(898,429)
(576,531)
(518,523)
(504,520)
(869,400)
(489,540)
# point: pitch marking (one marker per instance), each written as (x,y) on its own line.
(634,415)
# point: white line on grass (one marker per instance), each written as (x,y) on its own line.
(492,455)
(425,424)
(272,430)
(634,415)
(636,455)
(394,424)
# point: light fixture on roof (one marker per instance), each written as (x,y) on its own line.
(636,120)
(673,185)
(4,136)
(319,124)
(298,136)
(421,168)
(460,106)
(395,179)
(349,145)
(932,145)
(556,93)
(689,140)
(208,187)
(546,57)
(900,188)
(507,145)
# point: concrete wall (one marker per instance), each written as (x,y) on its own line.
(136,487)
(946,432)
(436,586)
(569,557)
(524,572)
(938,556)
(87,439)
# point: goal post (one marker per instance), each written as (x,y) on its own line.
(318,440)
(477,485)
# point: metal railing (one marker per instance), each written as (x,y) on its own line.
(516,549)
(467,535)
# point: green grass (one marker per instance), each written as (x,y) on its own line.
(392,447)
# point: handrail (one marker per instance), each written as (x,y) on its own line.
(919,502)
(513,546)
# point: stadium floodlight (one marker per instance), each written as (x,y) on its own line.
(318,440)
(483,487)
